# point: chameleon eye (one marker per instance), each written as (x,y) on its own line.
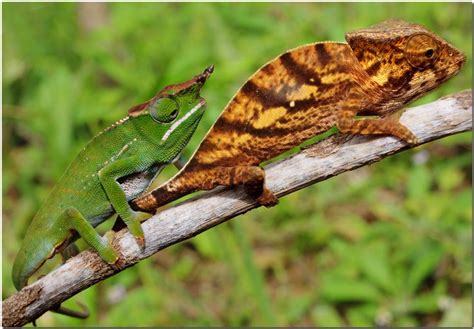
(164,110)
(429,53)
(421,50)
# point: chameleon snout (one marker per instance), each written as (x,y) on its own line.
(201,78)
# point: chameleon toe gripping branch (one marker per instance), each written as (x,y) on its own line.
(114,167)
(306,91)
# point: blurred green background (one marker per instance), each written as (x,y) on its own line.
(388,244)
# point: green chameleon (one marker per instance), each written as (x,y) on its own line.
(113,168)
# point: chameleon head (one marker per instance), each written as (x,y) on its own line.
(178,108)
(405,58)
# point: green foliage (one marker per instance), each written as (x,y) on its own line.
(387,244)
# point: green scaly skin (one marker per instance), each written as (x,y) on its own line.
(114,167)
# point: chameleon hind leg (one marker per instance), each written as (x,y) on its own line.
(380,126)
(70,251)
(72,219)
(251,177)
(108,177)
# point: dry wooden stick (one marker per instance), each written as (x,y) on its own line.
(337,154)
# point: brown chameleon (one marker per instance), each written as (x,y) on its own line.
(305,92)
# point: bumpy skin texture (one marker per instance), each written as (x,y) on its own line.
(305,92)
(115,166)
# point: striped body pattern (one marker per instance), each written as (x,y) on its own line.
(305,92)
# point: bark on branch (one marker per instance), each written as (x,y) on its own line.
(337,154)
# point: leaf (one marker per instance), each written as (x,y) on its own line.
(449,178)
(298,307)
(254,276)
(429,302)
(426,303)
(362,316)
(325,316)
(374,264)
(138,309)
(405,321)
(459,314)
(206,244)
(351,227)
(419,182)
(334,290)
(426,260)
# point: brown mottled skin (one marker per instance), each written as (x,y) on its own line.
(305,92)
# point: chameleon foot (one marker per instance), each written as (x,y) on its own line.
(74,220)
(140,241)
(406,135)
(267,198)
(135,228)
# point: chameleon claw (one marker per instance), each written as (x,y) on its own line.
(267,199)
(140,241)
(109,236)
(413,141)
(135,227)
(408,137)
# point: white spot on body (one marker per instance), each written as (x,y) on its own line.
(115,124)
(292,104)
(122,150)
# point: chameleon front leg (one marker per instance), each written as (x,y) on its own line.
(108,177)
(380,126)
(179,163)
(72,219)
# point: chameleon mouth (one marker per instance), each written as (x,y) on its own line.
(200,104)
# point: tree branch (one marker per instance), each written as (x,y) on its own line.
(332,156)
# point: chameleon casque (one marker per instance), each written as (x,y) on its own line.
(114,167)
(305,92)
